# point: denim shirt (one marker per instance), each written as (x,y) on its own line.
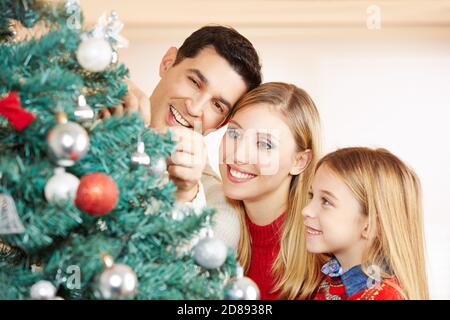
(354,279)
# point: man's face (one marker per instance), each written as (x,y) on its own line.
(196,93)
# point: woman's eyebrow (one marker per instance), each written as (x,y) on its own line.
(268,135)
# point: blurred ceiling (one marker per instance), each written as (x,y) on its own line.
(145,18)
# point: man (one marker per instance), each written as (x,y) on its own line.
(200,83)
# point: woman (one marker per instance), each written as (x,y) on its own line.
(268,154)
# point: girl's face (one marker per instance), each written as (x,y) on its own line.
(333,218)
(258,154)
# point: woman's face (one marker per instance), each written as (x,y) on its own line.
(333,218)
(258,154)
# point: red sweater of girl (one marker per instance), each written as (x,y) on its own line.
(265,245)
(354,284)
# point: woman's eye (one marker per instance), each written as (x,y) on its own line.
(232,133)
(194,82)
(264,145)
(310,195)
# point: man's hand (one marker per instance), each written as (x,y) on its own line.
(187,162)
(134,101)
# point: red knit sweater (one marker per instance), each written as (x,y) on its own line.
(265,248)
(333,289)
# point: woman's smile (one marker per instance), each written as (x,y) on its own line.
(237,175)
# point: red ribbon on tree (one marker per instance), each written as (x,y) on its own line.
(12,110)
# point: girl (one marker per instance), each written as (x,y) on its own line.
(268,154)
(366,210)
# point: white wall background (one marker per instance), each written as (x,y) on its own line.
(386,88)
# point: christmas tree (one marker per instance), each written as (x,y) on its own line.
(86,209)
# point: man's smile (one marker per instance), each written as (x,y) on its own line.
(176,118)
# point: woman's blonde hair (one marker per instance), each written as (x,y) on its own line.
(389,193)
(295,270)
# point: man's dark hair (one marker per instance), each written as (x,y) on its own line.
(229,44)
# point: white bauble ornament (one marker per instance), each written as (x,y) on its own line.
(61,186)
(42,290)
(94,54)
(210,253)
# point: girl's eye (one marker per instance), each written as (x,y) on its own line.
(232,133)
(194,82)
(219,107)
(310,195)
(264,145)
(325,202)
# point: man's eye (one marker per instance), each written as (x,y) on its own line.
(219,107)
(195,82)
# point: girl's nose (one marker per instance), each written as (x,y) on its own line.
(307,211)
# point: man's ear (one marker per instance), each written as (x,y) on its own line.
(302,160)
(168,60)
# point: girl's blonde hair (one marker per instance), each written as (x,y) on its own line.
(295,270)
(389,193)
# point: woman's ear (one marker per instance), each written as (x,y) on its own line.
(302,160)
(168,60)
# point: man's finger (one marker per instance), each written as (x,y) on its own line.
(181,184)
(104,113)
(183,159)
(131,102)
(118,111)
(144,110)
(137,101)
(180,172)
(178,133)
(187,140)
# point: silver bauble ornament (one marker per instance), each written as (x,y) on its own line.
(94,54)
(157,167)
(210,253)
(140,158)
(117,281)
(241,288)
(179,212)
(61,186)
(42,290)
(83,113)
(10,222)
(67,142)
(114,57)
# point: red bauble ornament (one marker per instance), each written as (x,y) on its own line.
(97,194)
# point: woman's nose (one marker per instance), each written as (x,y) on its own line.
(242,154)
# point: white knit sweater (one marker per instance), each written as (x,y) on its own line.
(226,221)
(226,225)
